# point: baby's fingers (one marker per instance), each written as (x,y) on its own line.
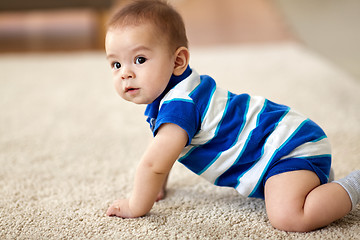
(113,210)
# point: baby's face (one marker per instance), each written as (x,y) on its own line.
(140,62)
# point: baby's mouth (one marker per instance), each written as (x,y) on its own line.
(131,89)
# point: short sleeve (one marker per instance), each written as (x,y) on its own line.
(181,112)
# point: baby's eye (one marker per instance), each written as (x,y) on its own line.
(116,65)
(140,60)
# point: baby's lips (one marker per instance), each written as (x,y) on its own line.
(130,89)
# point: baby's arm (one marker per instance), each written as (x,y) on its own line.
(152,172)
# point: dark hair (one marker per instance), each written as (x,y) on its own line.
(161,15)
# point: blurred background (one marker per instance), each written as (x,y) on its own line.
(328,27)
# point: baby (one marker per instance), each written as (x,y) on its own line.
(260,148)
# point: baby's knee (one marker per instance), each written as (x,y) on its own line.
(289,221)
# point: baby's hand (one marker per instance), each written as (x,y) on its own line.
(161,195)
(120,208)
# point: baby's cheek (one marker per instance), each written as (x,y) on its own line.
(118,89)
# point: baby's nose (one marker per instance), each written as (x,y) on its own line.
(127,73)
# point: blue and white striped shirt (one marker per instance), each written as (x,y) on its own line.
(234,139)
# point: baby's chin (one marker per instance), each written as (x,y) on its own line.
(138,101)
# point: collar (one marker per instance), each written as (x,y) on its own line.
(152,109)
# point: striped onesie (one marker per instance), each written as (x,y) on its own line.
(238,141)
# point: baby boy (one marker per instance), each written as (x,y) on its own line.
(260,148)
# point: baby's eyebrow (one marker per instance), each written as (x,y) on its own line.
(140,48)
(135,49)
(110,56)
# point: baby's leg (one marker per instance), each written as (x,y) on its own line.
(295,201)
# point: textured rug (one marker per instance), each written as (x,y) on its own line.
(69,146)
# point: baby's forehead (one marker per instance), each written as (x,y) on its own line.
(149,28)
(132,39)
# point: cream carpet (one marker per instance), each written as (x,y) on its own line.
(69,146)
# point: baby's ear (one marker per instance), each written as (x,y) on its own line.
(182,56)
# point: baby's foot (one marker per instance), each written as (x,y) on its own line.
(351,183)
(331,175)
